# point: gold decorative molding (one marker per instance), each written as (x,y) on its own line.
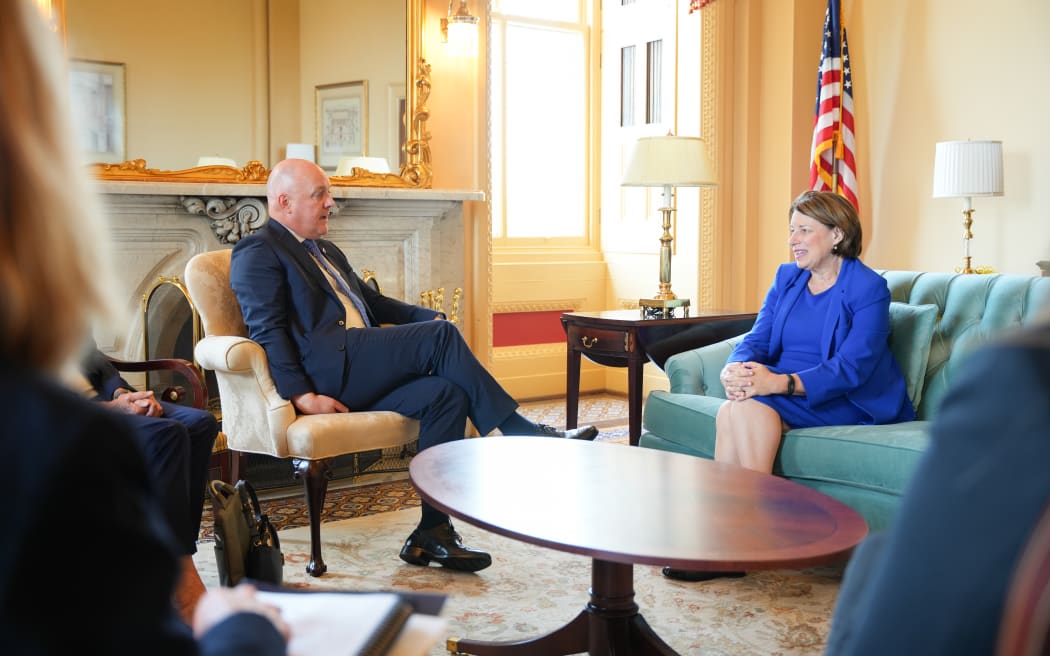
(528,351)
(568,305)
(710,123)
(417,170)
(135,170)
(365,178)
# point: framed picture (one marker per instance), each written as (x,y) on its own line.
(342,121)
(97,94)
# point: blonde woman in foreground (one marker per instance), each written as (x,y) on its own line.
(107,568)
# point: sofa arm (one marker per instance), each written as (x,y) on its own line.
(697,371)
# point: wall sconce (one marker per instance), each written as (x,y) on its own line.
(962,169)
(667,162)
(460,30)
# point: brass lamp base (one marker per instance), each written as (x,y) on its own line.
(662,308)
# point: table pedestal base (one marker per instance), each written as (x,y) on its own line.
(610,625)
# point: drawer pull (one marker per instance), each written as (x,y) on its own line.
(588,342)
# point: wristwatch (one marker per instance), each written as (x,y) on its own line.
(791,385)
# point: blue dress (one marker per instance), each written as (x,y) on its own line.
(801,352)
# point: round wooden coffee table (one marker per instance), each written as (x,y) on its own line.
(623,505)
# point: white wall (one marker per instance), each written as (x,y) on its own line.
(940,70)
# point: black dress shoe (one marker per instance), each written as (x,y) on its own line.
(693,576)
(443,545)
(586,433)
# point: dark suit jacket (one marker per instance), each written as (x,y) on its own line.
(86,564)
(293,312)
(854,341)
(936,581)
(103,376)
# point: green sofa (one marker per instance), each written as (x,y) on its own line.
(936,319)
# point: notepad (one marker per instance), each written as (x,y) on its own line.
(354,624)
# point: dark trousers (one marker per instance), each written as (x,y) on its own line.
(177,448)
(425,371)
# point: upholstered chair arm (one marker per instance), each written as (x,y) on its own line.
(255,417)
(697,371)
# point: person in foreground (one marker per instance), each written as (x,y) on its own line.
(318,323)
(936,581)
(177,442)
(87,564)
(818,353)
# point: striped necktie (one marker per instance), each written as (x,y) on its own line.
(311,246)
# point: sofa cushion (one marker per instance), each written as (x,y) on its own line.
(911,332)
(879,458)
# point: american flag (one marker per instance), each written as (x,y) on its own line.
(833,166)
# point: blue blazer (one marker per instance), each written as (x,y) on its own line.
(854,342)
(294,313)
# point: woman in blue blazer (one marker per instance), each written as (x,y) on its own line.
(818,354)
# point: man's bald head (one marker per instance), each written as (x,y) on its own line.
(286,174)
(299,197)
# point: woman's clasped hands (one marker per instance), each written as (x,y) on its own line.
(743,380)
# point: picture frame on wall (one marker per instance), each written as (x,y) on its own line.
(98,97)
(397,122)
(342,121)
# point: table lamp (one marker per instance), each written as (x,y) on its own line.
(963,169)
(215,160)
(372,164)
(667,162)
(300,151)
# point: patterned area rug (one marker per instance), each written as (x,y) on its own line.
(531,590)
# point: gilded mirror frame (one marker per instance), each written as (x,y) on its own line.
(415,173)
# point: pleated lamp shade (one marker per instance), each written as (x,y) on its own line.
(968,168)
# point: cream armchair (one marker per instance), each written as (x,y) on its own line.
(256,419)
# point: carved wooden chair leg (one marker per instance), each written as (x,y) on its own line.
(315,475)
(238,464)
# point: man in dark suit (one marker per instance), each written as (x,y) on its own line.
(318,323)
(177,442)
(936,581)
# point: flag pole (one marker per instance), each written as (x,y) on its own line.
(836,135)
(835,158)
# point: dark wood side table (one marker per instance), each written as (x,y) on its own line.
(618,338)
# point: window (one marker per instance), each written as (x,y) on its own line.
(541,107)
(639,37)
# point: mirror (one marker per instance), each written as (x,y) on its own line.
(243,78)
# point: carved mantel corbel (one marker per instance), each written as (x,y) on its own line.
(232,218)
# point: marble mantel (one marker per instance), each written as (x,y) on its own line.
(413,239)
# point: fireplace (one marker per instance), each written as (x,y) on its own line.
(412,240)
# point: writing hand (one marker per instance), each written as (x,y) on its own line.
(312,403)
(219,603)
